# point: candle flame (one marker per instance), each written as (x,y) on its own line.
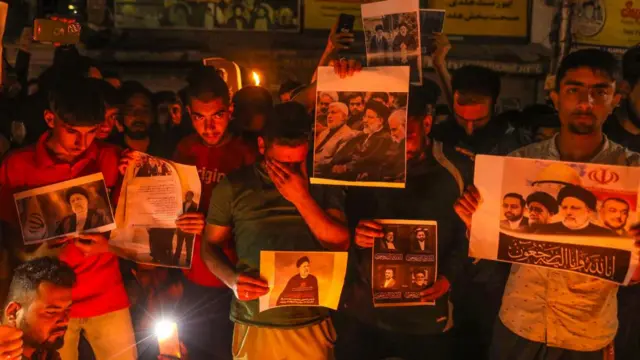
(256,78)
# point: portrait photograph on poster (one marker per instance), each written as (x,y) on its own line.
(392,35)
(431,22)
(567,216)
(360,128)
(302,278)
(405,262)
(154,193)
(72,207)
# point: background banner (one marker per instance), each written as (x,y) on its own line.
(611,24)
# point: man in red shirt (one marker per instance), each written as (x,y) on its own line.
(67,151)
(215,152)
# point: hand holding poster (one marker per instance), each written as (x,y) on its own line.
(360,128)
(68,208)
(392,35)
(155,192)
(302,278)
(405,262)
(559,215)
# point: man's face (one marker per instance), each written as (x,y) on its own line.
(379,33)
(420,279)
(421,236)
(614,214)
(397,128)
(189,196)
(356,106)
(584,100)
(323,104)
(403,30)
(138,116)
(472,111)
(111,115)
(634,100)
(18,131)
(427,120)
(210,119)
(390,237)
(372,122)
(336,117)
(79,203)
(304,270)
(72,140)
(575,213)
(415,139)
(388,274)
(285,97)
(45,321)
(538,213)
(512,208)
(292,157)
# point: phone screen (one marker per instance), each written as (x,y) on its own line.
(345,23)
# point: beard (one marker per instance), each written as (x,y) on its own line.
(512,217)
(582,128)
(137,131)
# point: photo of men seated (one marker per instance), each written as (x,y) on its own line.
(360,136)
(575,210)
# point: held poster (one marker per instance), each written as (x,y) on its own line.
(608,24)
(302,278)
(506,19)
(359,128)
(392,35)
(154,193)
(64,209)
(405,262)
(559,215)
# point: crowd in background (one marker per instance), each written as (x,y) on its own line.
(253,158)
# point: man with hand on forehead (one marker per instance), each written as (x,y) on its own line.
(271,206)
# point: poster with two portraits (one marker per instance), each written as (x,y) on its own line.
(564,216)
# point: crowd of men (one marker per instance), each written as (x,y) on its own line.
(72,298)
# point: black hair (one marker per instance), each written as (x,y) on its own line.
(422,96)
(379,108)
(383,95)
(250,101)
(289,124)
(77,101)
(618,200)
(476,80)
(631,65)
(302,260)
(205,83)
(132,88)
(515,196)
(352,95)
(76,190)
(28,277)
(112,96)
(594,59)
(379,27)
(289,86)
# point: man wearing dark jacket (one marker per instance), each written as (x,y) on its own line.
(412,332)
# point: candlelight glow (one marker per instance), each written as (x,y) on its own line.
(256,78)
(165,329)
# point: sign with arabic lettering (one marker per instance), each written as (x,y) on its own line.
(505,19)
(322,14)
(559,215)
(610,24)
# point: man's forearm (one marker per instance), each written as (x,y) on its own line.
(445,81)
(218,263)
(332,233)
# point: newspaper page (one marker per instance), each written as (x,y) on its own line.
(392,35)
(154,193)
(64,209)
(431,22)
(360,128)
(302,278)
(405,262)
(559,215)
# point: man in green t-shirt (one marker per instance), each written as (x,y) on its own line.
(271,206)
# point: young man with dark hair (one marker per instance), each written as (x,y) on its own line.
(474,129)
(624,126)
(432,186)
(113,108)
(38,305)
(543,315)
(215,151)
(355,100)
(67,151)
(271,206)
